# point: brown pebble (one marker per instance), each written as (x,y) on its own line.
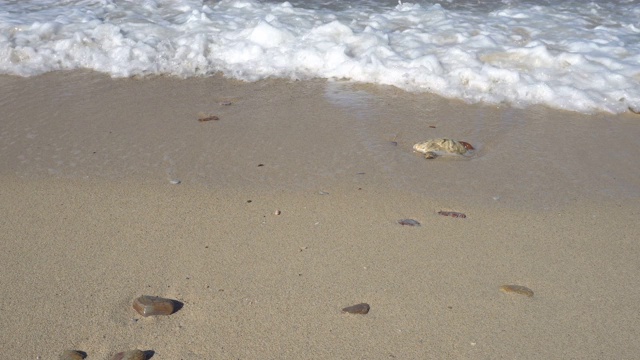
(517,289)
(72,355)
(452,214)
(147,305)
(202,117)
(362,308)
(130,355)
(408,222)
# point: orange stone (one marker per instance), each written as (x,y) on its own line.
(72,355)
(147,305)
(130,355)
(517,289)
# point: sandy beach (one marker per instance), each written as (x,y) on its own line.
(267,222)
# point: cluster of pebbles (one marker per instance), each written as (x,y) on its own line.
(124,355)
(147,305)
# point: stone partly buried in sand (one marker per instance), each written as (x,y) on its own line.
(130,355)
(439,147)
(408,222)
(361,308)
(147,305)
(72,355)
(202,117)
(516,289)
(453,214)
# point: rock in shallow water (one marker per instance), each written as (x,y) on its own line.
(361,308)
(437,147)
(147,305)
(517,289)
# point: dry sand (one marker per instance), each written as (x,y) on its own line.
(90,221)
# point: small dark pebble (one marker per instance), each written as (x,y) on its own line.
(249,201)
(452,214)
(361,308)
(208,118)
(432,126)
(394,143)
(259,165)
(408,222)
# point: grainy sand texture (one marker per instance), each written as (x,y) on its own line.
(265,223)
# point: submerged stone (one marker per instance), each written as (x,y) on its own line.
(437,147)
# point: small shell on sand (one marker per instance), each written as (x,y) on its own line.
(436,147)
(361,308)
(408,222)
(147,305)
(452,214)
(130,355)
(72,355)
(517,289)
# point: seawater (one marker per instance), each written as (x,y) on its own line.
(573,55)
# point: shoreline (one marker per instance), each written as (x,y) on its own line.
(92,221)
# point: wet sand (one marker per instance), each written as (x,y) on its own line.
(91,220)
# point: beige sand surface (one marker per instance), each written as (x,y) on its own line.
(90,221)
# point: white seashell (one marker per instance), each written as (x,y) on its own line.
(437,147)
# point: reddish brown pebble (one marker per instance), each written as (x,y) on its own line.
(467,145)
(206,117)
(408,222)
(517,289)
(72,355)
(147,305)
(130,355)
(362,308)
(453,214)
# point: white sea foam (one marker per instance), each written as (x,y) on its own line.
(565,54)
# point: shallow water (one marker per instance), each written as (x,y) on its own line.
(569,55)
(310,135)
